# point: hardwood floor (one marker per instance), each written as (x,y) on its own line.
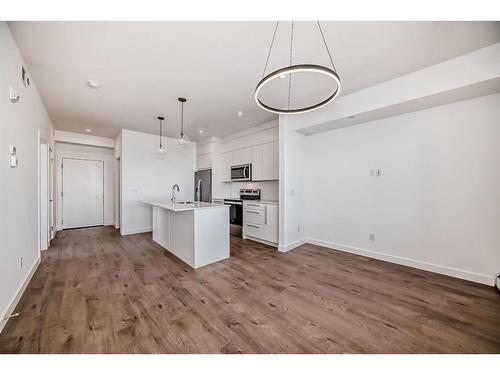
(97,292)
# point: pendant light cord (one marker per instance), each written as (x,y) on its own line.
(326,46)
(270,48)
(161,135)
(290,75)
(182,119)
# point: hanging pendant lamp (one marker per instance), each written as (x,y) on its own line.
(161,151)
(288,71)
(182,139)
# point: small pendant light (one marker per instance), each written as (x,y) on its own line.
(160,151)
(182,139)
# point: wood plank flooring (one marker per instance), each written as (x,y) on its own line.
(98,292)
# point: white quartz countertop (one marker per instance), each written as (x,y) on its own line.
(264,201)
(180,206)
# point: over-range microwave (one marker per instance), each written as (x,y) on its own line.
(241,172)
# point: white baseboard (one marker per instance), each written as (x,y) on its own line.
(17,297)
(444,270)
(290,246)
(125,232)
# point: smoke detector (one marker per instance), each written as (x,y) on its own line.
(93,84)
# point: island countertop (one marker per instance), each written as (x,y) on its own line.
(180,206)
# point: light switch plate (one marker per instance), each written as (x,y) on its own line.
(13,162)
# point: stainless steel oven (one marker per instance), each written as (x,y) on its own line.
(236,210)
(241,172)
(235,216)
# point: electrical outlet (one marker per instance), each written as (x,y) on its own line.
(20,262)
(372,172)
(372,236)
(378,172)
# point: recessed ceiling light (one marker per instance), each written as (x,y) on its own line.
(201,131)
(93,84)
(88,130)
(240,113)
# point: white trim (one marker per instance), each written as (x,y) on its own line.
(20,292)
(125,232)
(256,129)
(444,270)
(273,244)
(290,246)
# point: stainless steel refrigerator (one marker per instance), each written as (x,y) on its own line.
(203,185)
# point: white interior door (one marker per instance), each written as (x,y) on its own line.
(44,196)
(51,195)
(82,193)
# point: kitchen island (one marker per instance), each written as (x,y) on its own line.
(195,232)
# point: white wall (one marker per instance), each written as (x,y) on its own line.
(65,150)
(19,126)
(291,186)
(83,139)
(146,177)
(437,204)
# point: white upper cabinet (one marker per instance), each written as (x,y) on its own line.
(265,162)
(204,161)
(264,159)
(242,156)
(227,162)
(257,163)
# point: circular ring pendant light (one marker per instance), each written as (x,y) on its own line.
(287,71)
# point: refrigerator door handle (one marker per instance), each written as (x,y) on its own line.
(198,191)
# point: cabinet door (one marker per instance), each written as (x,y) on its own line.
(257,163)
(204,161)
(242,156)
(246,155)
(267,161)
(271,223)
(226,166)
(276,161)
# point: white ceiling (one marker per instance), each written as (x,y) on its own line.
(144,66)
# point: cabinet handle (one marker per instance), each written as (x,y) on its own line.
(253,212)
(254,226)
(253,204)
(265,215)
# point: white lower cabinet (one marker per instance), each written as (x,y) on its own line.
(260,222)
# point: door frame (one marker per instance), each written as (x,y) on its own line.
(62,191)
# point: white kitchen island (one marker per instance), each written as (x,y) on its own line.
(197,233)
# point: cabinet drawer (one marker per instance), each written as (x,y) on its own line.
(254,206)
(255,216)
(254,230)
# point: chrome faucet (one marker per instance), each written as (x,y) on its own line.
(173,193)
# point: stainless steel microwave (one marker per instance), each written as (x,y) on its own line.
(241,172)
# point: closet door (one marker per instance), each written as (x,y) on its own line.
(82,193)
